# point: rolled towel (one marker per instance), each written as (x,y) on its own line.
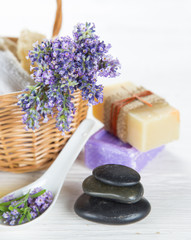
(6,43)
(13,77)
(25,43)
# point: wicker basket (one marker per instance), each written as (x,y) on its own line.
(26,151)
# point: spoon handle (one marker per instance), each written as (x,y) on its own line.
(58,170)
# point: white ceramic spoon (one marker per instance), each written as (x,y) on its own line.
(54,177)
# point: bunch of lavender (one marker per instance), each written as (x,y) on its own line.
(63,66)
(14,211)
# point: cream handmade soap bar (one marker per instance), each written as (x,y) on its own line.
(138,116)
(98,110)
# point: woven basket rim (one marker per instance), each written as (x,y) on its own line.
(11,94)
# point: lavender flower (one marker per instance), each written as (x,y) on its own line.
(25,208)
(14,212)
(12,222)
(65,65)
(8,198)
(6,215)
(33,214)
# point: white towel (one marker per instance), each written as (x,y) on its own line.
(13,77)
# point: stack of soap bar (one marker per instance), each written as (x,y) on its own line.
(104,148)
(144,127)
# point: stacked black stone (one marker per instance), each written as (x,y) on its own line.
(112,195)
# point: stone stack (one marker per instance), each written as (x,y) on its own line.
(112,195)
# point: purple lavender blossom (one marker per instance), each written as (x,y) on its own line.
(6,215)
(65,65)
(36,190)
(33,214)
(14,212)
(44,207)
(31,207)
(39,201)
(12,222)
(8,198)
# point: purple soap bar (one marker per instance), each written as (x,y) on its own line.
(104,148)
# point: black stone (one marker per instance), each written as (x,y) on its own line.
(117,175)
(105,211)
(127,194)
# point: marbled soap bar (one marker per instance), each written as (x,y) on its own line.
(145,122)
(104,148)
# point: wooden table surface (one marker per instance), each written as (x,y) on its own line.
(152,39)
(167,187)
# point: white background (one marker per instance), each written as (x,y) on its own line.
(152,40)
